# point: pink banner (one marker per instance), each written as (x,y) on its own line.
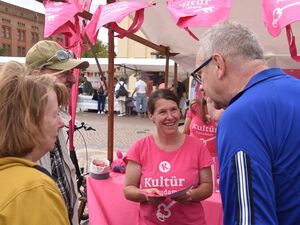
(58,16)
(114,13)
(61,18)
(195,13)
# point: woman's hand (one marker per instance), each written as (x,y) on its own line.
(152,196)
(185,198)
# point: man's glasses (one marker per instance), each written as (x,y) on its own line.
(196,74)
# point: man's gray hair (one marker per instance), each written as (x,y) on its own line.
(231,39)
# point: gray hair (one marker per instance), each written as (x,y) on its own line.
(231,39)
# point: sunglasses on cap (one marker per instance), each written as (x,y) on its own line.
(196,74)
(62,56)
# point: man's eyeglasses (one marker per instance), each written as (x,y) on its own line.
(195,74)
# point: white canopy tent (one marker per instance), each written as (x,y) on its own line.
(160,29)
(138,64)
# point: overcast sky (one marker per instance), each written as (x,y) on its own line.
(38,7)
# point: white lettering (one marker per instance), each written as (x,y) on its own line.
(51,18)
(163,182)
(204,128)
(194,3)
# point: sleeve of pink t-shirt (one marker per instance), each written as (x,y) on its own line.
(134,152)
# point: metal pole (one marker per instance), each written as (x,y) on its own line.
(167,68)
(175,78)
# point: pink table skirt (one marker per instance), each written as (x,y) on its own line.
(108,206)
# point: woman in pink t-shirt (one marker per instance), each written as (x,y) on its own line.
(199,125)
(166,162)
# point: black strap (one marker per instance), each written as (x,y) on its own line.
(43,170)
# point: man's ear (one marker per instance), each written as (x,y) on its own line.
(220,63)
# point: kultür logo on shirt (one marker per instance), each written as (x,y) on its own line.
(164,167)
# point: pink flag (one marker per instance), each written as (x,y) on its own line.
(114,13)
(195,13)
(278,14)
(60,18)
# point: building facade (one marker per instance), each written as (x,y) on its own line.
(20,29)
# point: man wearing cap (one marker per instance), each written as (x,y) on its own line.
(49,57)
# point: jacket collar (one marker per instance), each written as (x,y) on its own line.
(258,78)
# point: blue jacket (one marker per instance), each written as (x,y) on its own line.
(259,152)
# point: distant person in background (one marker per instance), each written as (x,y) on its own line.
(149,87)
(181,95)
(141,98)
(162,85)
(121,96)
(87,88)
(199,124)
(165,162)
(29,123)
(102,93)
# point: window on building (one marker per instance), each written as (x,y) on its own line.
(21,35)
(6,32)
(34,37)
(7,49)
(21,51)
(4,20)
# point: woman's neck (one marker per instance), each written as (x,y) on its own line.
(169,142)
(34,156)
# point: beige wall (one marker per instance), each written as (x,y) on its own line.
(128,48)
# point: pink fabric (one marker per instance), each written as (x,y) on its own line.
(191,13)
(170,171)
(107,204)
(203,131)
(58,18)
(114,13)
(278,14)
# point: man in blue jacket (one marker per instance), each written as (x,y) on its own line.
(258,134)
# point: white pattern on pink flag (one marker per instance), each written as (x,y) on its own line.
(194,13)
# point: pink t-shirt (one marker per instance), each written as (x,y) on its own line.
(203,131)
(168,172)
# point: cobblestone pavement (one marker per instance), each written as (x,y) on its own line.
(127,130)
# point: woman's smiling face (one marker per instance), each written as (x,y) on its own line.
(166,116)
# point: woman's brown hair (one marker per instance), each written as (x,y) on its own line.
(202,106)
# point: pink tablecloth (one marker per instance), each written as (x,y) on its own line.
(108,206)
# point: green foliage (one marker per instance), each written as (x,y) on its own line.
(2,51)
(101,50)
